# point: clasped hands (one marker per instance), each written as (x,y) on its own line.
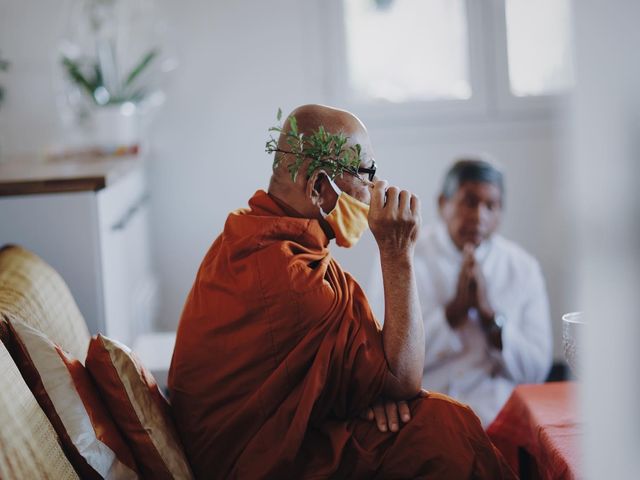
(471,292)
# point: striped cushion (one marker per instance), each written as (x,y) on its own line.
(68,397)
(28,444)
(138,408)
(32,291)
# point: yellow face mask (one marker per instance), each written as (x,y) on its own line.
(349,219)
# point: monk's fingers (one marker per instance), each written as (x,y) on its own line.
(367,414)
(378,192)
(409,212)
(404,202)
(404,411)
(380,416)
(392,199)
(391,408)
(423,393)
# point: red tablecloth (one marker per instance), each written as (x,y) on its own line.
(542,420)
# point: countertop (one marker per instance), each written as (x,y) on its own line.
(29,175)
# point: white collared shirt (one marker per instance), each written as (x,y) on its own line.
(460,362)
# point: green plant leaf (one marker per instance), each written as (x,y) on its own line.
(73,70)
(98,81)
(293,126)
(142,65)
(279,114)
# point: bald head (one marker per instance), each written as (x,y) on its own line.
(334,120)
(309,119)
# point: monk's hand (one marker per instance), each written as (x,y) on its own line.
(388,414)
(394,218)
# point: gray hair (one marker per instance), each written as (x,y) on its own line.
(471,170)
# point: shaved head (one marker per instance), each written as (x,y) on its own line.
(299,194)
(334,120)
(309,119)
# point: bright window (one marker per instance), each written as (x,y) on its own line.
(407,50)
(538,46)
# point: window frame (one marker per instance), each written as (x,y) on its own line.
(491,95)
(506,101)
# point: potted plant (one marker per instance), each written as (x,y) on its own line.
(88,74)
(115,103)
(111,63)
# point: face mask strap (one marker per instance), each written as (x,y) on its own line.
(336,189)
(333,184)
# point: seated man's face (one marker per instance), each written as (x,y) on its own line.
(473,213)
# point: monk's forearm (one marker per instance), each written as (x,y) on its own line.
(403,331)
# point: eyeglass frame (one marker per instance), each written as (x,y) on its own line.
(370,171)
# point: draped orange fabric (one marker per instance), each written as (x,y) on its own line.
(276,354)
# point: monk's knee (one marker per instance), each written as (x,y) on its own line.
(454,433)
(439,409)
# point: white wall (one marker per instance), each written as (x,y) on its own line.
(239,62)
(237,68)
(29,31)
(604,181)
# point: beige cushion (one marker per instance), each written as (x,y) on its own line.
(32,291)
(138,408)
(65,392)
(28,444)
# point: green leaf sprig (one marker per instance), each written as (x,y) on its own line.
(325,150)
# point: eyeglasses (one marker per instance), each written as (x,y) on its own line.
(371,171)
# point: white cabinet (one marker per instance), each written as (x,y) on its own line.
(97,237)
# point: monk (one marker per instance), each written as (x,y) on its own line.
(280,369)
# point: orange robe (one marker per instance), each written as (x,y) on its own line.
(277,352)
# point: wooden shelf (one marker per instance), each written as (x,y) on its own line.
(34,175)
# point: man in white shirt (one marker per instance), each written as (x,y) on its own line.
(483,298)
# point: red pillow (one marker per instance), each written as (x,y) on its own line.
(67,395)
(138,408)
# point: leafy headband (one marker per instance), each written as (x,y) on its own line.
(327,151)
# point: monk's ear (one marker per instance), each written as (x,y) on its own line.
(314,187)
(320,191)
